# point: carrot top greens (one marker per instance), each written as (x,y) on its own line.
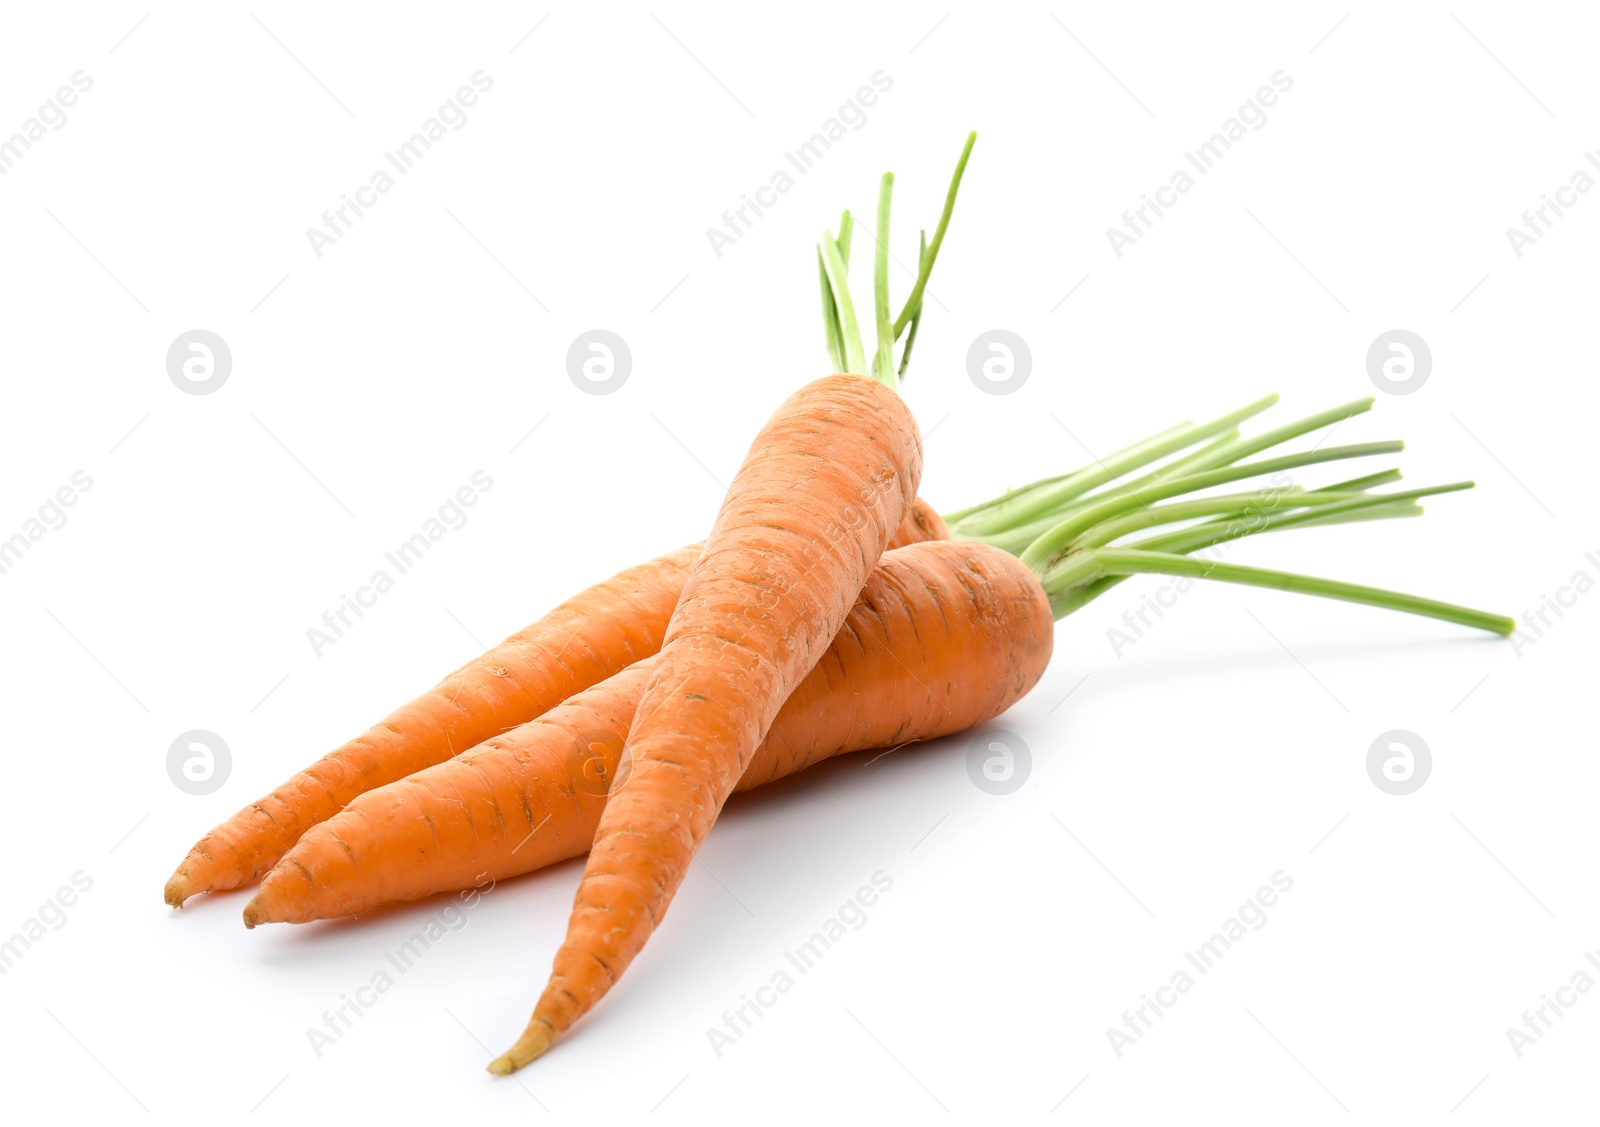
(1070,530)
(842,330)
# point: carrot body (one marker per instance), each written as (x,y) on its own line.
(580,643)
(942,637)
(826,483)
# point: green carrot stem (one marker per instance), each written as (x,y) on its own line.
(1278,436)
(1353,516)
(1042,550)
(924,269)
(1129,561)
(1222,454)
(1205,536)
(883,369)
(1361,484)
(830,317)
(1290,518)
(1078,563)
(1008,514)
(1294,506)
(1032,489)
(916,316)
(1202,459)
(1230,506)
(854,355)
(1249,523)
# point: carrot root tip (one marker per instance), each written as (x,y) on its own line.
(176,891)
(532,1045)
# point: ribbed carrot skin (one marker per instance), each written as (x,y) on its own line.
(580,643)
(943,636)
(826,483)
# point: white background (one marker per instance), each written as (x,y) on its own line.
(367,385)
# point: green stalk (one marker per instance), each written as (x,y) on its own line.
(1232,527)
(1332,416)
(1203,458)
(1033,488)
(883,369)
(1129,561)
(1220,453)
(1355,516)
(830,317)
(1042,551)
(1302,506)
(914,301)
(1079,564)
(1007,513)
(1190,540)
(1064,527)
(855,359)
(830,309)
(841,333)
(1361,484)
(1227,506)
(916,317)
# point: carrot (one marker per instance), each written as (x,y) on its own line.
(942,637)
(810,512)
(580,643)
(807,518)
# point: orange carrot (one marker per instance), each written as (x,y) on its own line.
(824,485)
(943,636)
(582,642)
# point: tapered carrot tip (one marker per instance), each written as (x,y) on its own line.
(256,913)
(529,1047)
(177,889)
